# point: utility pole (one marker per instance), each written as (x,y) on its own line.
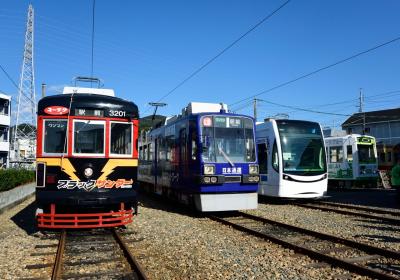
(25,125)
(361,102)
(361,109)
(255,109)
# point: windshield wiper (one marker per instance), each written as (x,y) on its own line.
(79,130)
(226,156)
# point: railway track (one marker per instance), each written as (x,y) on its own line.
(100,254)
(390,216)
(350,255)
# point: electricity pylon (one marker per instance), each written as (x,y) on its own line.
(25,125)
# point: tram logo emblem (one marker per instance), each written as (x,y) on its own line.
(232,170)
(92,184)
(56,110)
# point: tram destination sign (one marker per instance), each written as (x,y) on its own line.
(365,140)
(89,112)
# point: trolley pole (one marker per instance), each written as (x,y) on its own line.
(156,105)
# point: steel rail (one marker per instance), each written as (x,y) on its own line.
(57,268)
(359,207)
(348,265)
(361,246)
(349,213)
(129,256)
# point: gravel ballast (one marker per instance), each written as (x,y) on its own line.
(369,231)
(169,244)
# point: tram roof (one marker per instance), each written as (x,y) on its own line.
(88,101)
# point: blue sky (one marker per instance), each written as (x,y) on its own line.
(144,49)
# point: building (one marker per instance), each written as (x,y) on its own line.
(384,125)
(5,101)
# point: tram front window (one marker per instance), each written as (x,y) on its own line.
(121,138)
(302,146)
(89,137)
(366,154)
(54,136)
(227,139)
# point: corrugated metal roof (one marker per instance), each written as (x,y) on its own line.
(373,117)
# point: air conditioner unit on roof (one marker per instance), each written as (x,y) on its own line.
(83,90)
(200,107)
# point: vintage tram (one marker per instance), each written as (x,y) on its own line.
(86,159)
(352,160)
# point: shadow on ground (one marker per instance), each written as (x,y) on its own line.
(25,219)
(376,198)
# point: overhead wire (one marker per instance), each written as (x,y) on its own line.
(93,16)
(319,70)
(8,76)
(198,70)
(303,109)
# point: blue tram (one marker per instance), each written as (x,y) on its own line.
(205,158)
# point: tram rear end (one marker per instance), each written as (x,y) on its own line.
(86,159)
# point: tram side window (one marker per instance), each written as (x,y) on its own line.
(263,158)
(336,154)
(150,151)
(141,153)
(382,157)
(275,157)
(161,149)
(89,137)
(145,155)
(194,145)
(249,138)
(349,153)
(169,141)
(121,138)
(54,136)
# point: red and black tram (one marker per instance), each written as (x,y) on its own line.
(86,159)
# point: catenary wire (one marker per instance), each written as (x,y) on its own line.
(93,15)
(222,52)
(302,109)
(9,77)
(319,70)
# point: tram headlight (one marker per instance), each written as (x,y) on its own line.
(214,180)
(209,169)
(253,169)
(88,172)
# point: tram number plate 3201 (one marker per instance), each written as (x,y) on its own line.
(116,113)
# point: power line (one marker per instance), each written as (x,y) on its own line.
(11,80)
(318,70)
(309,109)
(302,109)
(93,10)
(9,77)
(223,51)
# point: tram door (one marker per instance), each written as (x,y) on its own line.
(262,148)
(182,155)
(157,170)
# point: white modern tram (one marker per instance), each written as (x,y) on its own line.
(292,159)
